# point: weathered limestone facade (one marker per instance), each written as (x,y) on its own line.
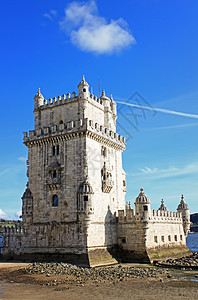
(73,206)
(149,234)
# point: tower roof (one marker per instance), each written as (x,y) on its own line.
(27,193)
(83,82)
(104,96)
(182,204)
(142,198)
(162,206)
(85,188)
(39,95)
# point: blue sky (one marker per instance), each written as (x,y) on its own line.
(144,46)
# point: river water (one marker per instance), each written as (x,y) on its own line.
(192,241)
(1,244)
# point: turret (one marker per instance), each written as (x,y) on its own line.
(183,208)
(162,206)
(27,206)
(105,100)
(85,200)
(142,206)
(113,108)
(38,99)
(83,89)
(109,111)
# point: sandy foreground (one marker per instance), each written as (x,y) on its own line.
(16,284)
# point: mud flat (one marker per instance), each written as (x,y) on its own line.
(125,281)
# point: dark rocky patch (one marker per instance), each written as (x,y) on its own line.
(188,262)
(96,275)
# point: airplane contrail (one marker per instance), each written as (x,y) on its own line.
(166,111)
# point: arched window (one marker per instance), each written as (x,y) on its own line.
(61,122)
(84,90)
(54,174)
(55,200)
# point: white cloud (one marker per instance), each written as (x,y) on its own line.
(51,14)
(3,215)
(18,213)
(22,158)
(168,172)
(91,32)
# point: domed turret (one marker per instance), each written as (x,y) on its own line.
(38,99)
(142,206)
(83,89)
(162,206)
(27,205)
(183,208)
(105,100)
(85,188)
(113,107)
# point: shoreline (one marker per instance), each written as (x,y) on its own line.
(173,284)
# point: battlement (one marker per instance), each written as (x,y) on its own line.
(165,216)
(156,216)
(127,215)
(72,127)
(169,214)
(66,99)
(13,230)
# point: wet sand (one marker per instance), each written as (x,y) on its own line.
(16,284)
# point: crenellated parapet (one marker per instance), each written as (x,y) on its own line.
(168,216)
(70,129)
(13,230)
(144,214)
(101,102)
(66,99)
(127,215)
(60,100)
(12,239)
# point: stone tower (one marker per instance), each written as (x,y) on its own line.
(76,183)
(184,209)
(73,208)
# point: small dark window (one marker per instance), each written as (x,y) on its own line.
(85,198)
(54,174)
(175,238)
(104,151)
(124,183)
(84,90)
(57,150)
(124,241)
(145,208)
(61,122)
(55,200)
(54,150)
